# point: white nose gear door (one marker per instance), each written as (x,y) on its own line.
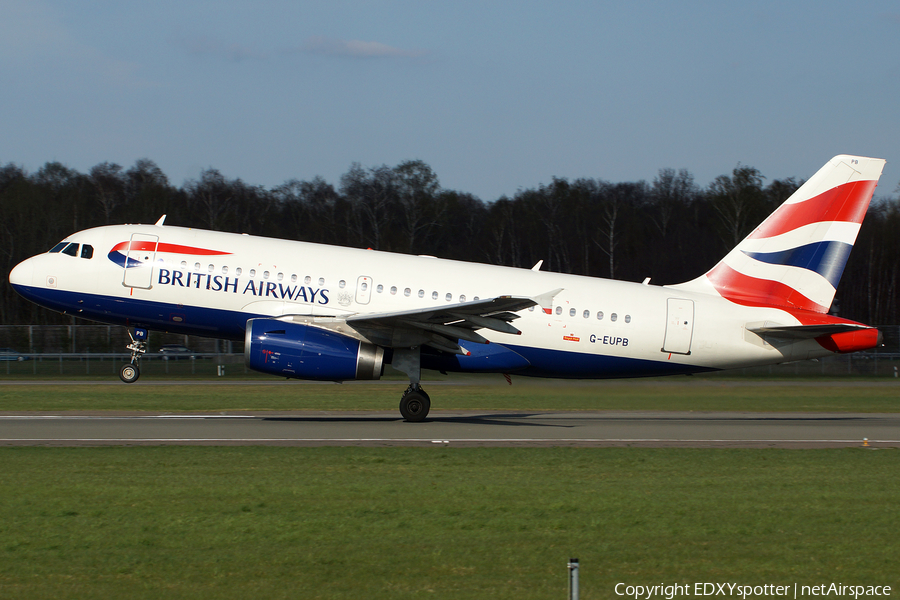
(679,326)
(139,260)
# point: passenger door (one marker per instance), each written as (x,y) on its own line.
(139,261)
(679,326)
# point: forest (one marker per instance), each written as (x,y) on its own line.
(670,229)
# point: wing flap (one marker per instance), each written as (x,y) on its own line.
(442,327)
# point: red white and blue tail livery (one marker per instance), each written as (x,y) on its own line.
(311,311)
(795,258)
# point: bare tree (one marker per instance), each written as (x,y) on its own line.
(737,200)
(109,183)
(212,194)
(417,187)
(370,196)
(616,200)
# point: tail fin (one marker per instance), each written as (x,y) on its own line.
(795,258)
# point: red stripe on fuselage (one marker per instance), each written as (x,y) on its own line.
(847,202)
(164,247)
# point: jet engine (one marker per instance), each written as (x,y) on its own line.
(308,352)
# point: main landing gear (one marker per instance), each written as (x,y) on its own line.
(130,372)
(415,403)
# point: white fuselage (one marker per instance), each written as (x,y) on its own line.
(209,283)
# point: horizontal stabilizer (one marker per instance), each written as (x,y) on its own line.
(804,332)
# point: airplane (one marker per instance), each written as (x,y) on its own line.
(319,312)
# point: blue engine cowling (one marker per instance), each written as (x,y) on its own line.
(307,352)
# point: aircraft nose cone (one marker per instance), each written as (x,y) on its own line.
(22,273)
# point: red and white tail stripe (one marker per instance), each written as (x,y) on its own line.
(795,258)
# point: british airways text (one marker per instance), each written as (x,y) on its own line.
(221,283)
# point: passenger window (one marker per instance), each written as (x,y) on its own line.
(421,293)
(628,318)
(307,280)
(379,289)
(462,297)
(448,297)
(87,251)
(238,271)
(393,290)
(252,272)
(321,281)
(71,249)
(58,247)
(587,314)
(407,292)
(280,276)
(613,317)
(571,312)
(294,278)
(599,315)
(559,310)
(434,295)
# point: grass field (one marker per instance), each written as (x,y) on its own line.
(191,522)
(267,522)
(684,393)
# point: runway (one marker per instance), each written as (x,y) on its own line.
(456,429)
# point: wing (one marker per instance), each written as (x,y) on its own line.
(442,327)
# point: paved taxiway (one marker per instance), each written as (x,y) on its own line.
(455,428)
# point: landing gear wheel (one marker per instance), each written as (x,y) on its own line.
(129,373)
(414,406)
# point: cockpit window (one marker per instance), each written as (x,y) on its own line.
(87,251)
(58,247)
(71,249)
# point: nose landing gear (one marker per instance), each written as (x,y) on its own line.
(130,372)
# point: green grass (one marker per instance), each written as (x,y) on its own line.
(685,393)
(254,522)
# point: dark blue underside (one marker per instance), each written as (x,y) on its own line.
(174,318)
(225,324)
(542,362)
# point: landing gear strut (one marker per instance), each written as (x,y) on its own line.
(415,403)
(130,372)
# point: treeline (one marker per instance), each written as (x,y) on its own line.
(670,229)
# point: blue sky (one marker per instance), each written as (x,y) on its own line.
(495,96)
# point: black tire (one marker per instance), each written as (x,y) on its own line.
(129,373)
(414,406)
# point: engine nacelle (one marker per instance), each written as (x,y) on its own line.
(307,352)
